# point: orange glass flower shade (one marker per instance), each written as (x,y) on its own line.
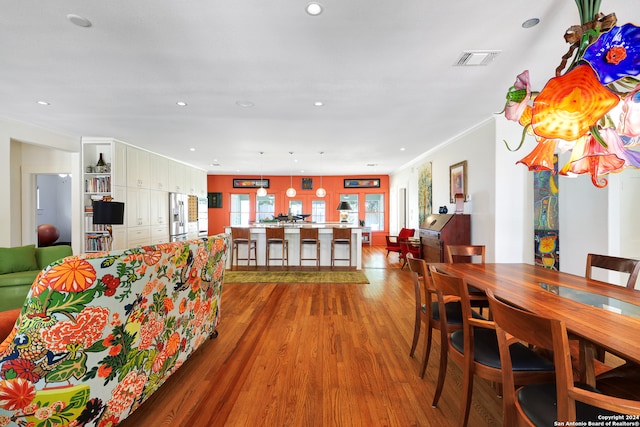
(541,158)
(570,104)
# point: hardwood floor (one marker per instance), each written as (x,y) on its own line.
(316,355)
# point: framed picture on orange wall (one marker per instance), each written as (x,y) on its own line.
(250,183)
(362,183)
(458,180)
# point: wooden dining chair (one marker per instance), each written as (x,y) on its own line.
(546,403)
(470,254)
(475,347)
(275,236)
(427,310)
(612,263)
(241,236)
(607,262)
(340,237)
(465,253)
(309,237)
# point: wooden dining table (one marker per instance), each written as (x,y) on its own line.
(596,312)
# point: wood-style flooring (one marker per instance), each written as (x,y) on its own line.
(316,355)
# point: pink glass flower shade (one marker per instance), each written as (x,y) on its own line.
(590,157)
(518,97)
(570,104)
(630,118)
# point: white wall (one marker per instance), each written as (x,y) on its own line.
(25,151)
(477,147)
(591,219)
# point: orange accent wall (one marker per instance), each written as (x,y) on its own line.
(219,217)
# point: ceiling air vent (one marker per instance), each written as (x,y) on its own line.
(471,58)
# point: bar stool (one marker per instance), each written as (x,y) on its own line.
(341,236)
(242,236)
(309,236)
(275,236)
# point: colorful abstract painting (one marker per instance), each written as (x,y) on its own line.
(545,193)
(424,192)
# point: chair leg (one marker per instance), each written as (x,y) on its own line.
(467,390)
(234,248)
(442,373)
(267,256)
(416,333)
(427,350)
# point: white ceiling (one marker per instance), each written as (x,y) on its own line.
(384,70)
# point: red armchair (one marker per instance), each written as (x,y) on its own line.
(393,242)
(407,247)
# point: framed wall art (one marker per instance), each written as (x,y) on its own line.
(458,180)
(362,183)
(307,183)
(250,183)
(214,200)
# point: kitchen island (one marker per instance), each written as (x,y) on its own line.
(292,235)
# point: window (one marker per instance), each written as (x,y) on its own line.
(353,201)
(374,211)
(240,209)
(265,207)
(318,211)
(295,207)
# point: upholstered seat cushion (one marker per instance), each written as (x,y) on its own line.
(18,278)
(539,403)
(454,312)
(487,353)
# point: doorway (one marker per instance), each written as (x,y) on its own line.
(53,207)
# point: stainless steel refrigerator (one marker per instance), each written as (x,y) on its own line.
(177,217)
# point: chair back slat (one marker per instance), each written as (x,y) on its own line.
(464,253)
(342,234)
(613,263)
(240,233)
(308,233)
(275,233)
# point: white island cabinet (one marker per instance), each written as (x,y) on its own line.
(292,235)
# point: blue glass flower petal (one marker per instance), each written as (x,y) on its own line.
(626,37)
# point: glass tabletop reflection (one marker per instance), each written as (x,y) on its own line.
(600,301)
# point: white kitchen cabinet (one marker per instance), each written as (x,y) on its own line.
(158,172)
(137,168)
(137,208)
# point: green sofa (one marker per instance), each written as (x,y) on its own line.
(19,267)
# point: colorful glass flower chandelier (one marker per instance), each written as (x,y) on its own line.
(591,106)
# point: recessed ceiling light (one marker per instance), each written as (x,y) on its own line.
(192,149)
(318,103)
(530,22)
(79,20)
(43,103)
(181,103)
(314,9)
(245,104)
(402,149)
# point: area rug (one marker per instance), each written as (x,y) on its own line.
(338,277)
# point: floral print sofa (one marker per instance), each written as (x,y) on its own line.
(99,333)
